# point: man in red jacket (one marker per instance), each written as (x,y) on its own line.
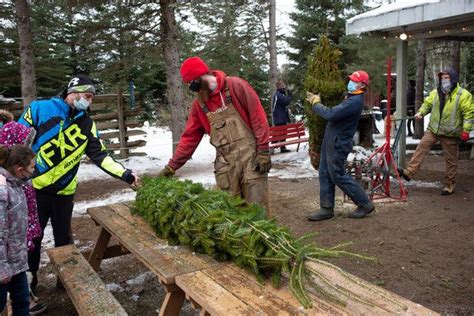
(228,109)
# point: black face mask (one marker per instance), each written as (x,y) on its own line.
(195,85)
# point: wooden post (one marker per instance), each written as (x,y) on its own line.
(402,81)
(122,125)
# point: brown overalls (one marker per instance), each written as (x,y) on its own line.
(235,145)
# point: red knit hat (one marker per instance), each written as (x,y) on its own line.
(360,76)
(192,68)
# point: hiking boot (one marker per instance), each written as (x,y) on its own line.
(37,308)
(362,211)
(321,215)
(448,189)
(404,174)
(284,150)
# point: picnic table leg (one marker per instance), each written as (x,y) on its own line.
(100,247)
(173,300)
(204,313)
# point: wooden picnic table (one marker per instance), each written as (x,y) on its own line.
(221,288)
(137,237)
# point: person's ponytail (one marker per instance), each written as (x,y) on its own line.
(4,153)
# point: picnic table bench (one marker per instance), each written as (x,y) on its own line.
(282,135)
(221,288)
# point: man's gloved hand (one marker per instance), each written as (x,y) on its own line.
(263,162)
(167,171)
(464,136)
(312,98)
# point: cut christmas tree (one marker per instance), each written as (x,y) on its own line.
(325,78)
(227,228)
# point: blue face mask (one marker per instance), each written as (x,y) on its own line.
(81,104)
(351,86)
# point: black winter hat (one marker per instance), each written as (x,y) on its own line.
(80,84)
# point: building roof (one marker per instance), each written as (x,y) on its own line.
(440,19)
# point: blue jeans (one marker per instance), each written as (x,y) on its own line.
(332,172)
(19,295)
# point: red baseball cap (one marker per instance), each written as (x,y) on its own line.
(193,68)
(360,76)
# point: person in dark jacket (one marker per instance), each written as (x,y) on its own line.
(280,102)
(411,106)
(65,132)
(337,144)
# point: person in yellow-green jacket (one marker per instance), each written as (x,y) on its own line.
(64,133)
(451,121)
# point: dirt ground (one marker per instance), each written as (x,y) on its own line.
(424,247)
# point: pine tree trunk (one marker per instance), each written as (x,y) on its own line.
(273,52)
(456,55)
(174,90)
(27,69)
(420,83)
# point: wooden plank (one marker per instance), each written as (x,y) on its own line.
(110,252)
(283,127)
(363,297)
(139,238)
(281,144)
(128,145)
(85,288)
(122,128)
(111,135)
(114,125)
(114,115)
(211,296)
(284,137)
(259,299)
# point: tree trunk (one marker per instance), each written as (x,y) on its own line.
(27,69)
(420,83)
(174,90)
(273,52)
(456,55)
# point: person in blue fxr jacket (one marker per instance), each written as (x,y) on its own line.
(337,144)
(64,133)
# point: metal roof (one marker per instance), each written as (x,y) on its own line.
(435,19)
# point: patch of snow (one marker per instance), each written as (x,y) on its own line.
(293,165)
(80,208)
(114,287)
(387,8)
(142,278)
(423,184)
(359,153)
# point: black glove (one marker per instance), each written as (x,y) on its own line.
(167,171)
(263,162)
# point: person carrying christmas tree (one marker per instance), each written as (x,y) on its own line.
(337,144)
(228,109)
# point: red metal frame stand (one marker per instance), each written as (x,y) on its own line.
(382,160)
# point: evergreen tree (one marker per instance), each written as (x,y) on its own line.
(232,38)
(323,77)
(313,19)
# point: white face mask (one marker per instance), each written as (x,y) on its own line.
(213,85)
(446,85)
(81,104)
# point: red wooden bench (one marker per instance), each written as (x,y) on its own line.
(288,134)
